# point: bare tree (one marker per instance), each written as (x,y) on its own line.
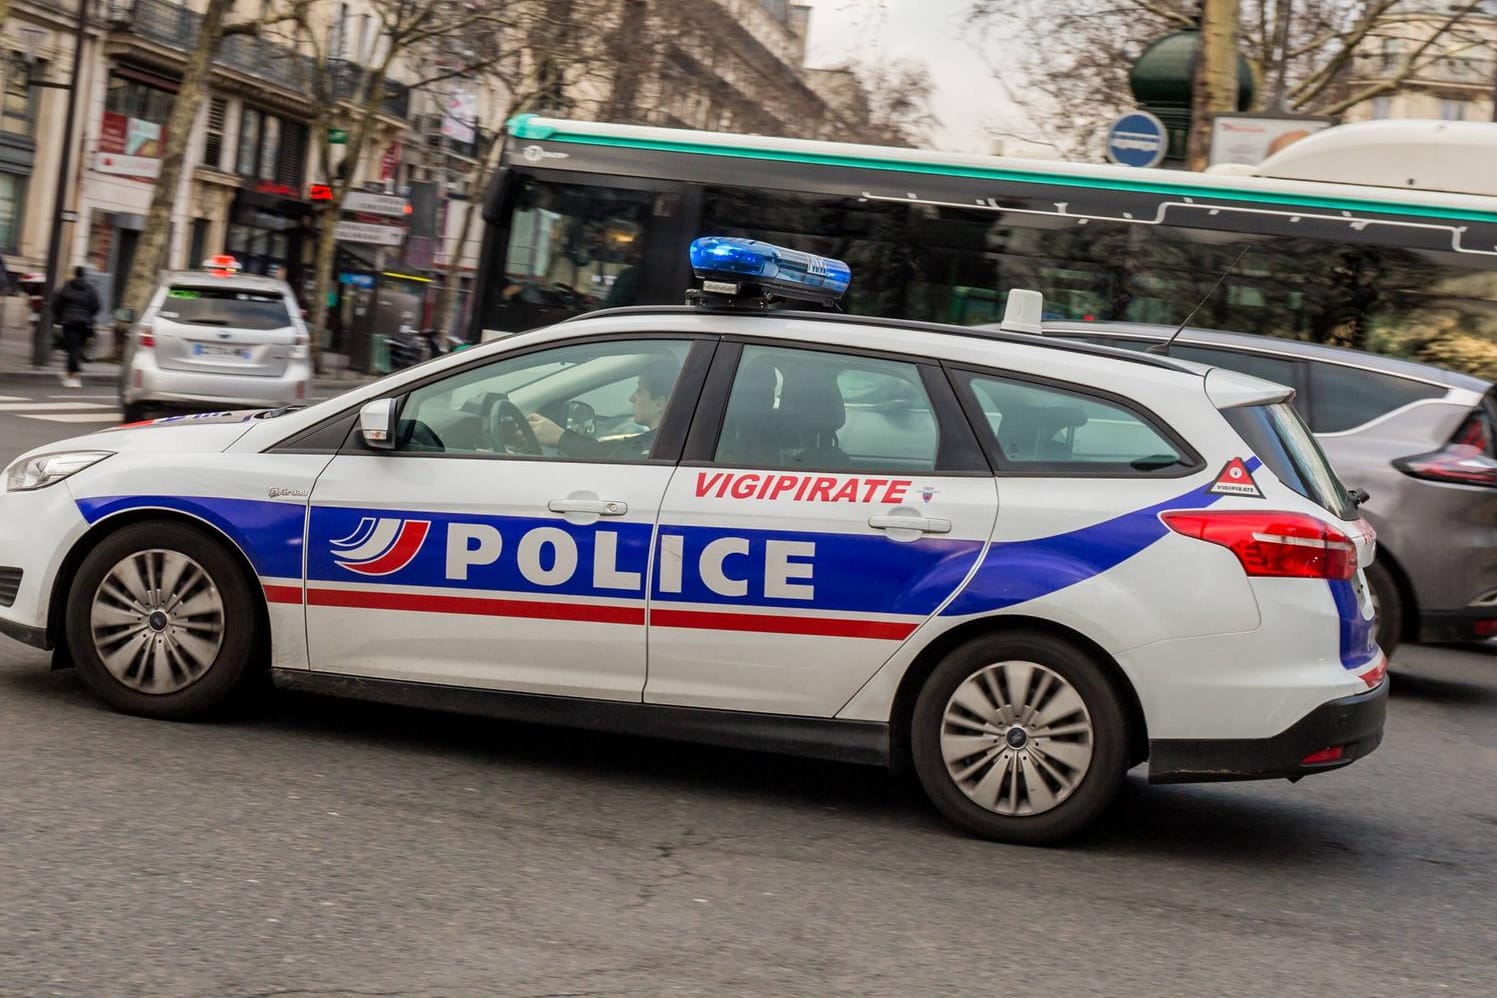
(1305,51)
(352,92)
(898,92)
(150,250)
(533,58)
(1214,89)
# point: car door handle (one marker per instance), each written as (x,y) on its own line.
(924,524)
(601,507)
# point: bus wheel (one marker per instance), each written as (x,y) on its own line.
(1019,738)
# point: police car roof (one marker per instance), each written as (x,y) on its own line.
(944,328)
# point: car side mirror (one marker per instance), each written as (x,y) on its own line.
(377,423)
(124,314)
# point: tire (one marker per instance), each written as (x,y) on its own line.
(189,597)
(1389,603)
(1080,784)
(132,412)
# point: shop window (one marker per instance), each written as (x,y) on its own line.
(270,146)
(213,145)
(12,197)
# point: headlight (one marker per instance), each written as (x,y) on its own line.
(49,469)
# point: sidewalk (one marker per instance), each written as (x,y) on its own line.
(15,356)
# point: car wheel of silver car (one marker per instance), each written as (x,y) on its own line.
(1387,602)
(160,621)
(1019,738)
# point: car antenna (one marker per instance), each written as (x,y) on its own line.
(1164,347)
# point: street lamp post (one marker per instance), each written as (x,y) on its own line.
(41,344)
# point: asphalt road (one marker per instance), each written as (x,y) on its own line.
(319,848)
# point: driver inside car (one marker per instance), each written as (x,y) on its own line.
(649,399)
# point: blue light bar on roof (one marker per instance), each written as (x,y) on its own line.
(786,272)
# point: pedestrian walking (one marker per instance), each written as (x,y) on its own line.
(75,305)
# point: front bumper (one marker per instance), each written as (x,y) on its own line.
(1353,723)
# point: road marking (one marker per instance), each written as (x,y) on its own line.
(12,398)
(109,398)
(48,406)
(76,417)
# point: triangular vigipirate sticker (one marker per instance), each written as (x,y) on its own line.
(1236,480)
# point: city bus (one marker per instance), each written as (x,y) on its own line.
(1403,261)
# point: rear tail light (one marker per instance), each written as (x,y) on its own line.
(144,338)
(300,347)
(1272,545)
(1466,460)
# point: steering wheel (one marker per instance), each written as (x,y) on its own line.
(509,429)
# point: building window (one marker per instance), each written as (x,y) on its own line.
(1392,52)
(1453,110)
(272,152)
(249,141)
(213,145)
(12,197)
(18,109)
(1382,107)
(197,248)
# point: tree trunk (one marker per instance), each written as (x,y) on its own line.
(1215,88)
(150,250)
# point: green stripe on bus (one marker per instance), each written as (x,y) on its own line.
(523,129)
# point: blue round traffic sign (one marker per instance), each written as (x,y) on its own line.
(1137,139)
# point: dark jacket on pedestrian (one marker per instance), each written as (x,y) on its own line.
(76,301)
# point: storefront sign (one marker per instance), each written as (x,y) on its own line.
(135,167)
(378,235)
(129,147)
(364,281)
(376,204)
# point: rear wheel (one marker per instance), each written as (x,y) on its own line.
(160,621)
(1387,601)
(1019,738)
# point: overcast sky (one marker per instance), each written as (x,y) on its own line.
(930,31)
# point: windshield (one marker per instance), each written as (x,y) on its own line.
(220,306)
(1279,437)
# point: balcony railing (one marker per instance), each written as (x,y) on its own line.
(176,27)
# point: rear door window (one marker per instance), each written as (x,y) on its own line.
(234,308)
(1280,438)
(1046,429)
(1342,398)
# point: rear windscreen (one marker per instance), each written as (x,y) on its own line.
(218,306)
(1287,447)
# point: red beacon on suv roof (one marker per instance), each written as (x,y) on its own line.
(221,265)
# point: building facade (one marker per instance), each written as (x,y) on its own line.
(253,162)
(1453,78)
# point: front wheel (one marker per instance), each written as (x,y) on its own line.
(160,621)
(1019,738)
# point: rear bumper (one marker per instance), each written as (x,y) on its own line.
(1354,723)
(1472,624)
(147,382)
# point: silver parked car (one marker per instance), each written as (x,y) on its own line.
(216,338)
(1418,439)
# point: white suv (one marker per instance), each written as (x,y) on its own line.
(216,338)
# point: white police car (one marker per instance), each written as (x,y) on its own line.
(1022,566)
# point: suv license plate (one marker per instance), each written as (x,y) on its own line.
(219,350)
